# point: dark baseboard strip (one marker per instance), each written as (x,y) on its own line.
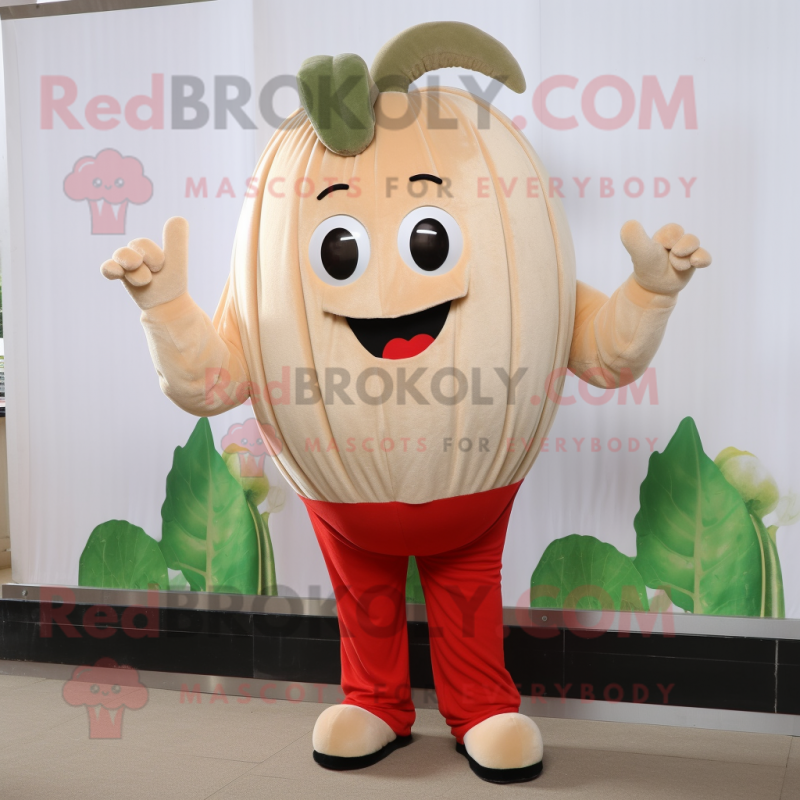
(724,673)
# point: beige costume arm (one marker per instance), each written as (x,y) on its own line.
(615,338)
(200,363)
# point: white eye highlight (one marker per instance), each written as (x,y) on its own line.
(430,241)
(339,250)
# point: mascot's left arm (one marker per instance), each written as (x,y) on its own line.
(616,337)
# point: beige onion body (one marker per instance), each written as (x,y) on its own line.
(512,292)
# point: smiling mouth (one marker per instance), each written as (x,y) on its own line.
(401,337)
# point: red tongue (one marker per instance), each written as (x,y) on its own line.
(405,348)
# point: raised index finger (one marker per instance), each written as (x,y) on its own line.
(176,241)
(636,241)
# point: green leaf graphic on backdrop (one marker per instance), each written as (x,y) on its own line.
(694,536)
(266,556)
(588,574)
(208,531)
(413,584)
(119,555)
(774,604)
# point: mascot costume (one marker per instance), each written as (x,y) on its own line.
(403,261)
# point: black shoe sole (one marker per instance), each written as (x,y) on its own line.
(340,763)
(517,775)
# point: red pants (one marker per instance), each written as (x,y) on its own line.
(458,544)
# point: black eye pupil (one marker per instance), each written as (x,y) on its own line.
(429,244)
(339,253)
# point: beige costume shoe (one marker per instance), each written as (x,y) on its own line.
(349,737)
(506,748)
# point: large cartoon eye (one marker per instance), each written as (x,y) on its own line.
(339,250)
(116,688)
(430,241)
(97,182)
(95,688)
(119,183)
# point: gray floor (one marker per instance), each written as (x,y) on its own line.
(238,751)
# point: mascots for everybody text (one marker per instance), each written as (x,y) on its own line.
(401,258)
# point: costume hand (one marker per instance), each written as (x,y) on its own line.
(151,275)
(665,263)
